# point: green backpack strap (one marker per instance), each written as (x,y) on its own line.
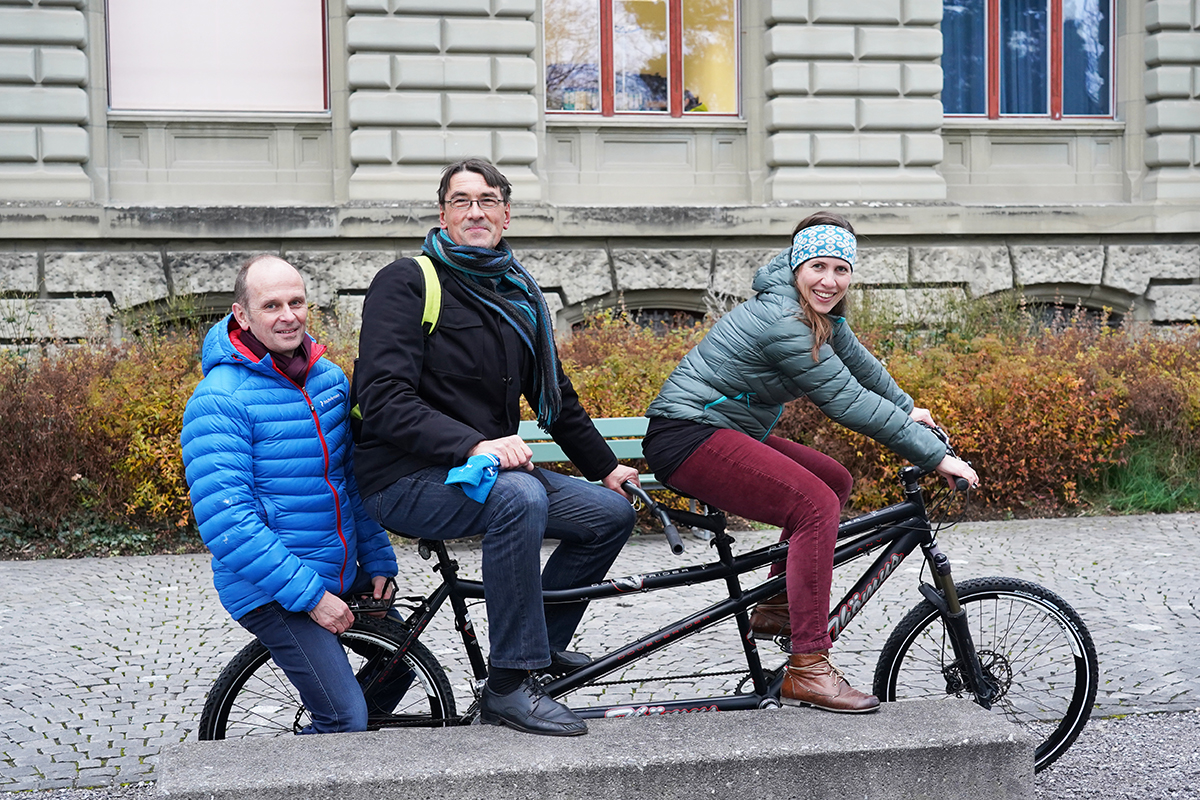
(433,295)
(429,323)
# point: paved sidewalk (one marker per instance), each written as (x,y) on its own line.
(102,662)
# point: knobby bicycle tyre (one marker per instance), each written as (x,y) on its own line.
(252,696)
(1029,640)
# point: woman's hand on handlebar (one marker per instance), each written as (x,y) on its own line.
(952,467)
(618,476)
(923,416)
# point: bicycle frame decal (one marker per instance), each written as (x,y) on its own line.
(651,644)
(632,583)
(653,711)
(854,603)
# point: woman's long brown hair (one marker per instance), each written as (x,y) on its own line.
(822,328)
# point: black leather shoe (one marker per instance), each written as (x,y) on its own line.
(531,710)
(564,662)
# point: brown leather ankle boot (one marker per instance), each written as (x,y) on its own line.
(811,679)
(770,620)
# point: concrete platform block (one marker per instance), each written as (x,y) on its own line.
(927,749)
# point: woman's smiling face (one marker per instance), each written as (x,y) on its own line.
(823,281)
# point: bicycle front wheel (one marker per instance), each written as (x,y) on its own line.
(1030,642)
(252,696)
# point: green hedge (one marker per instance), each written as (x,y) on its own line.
(1064,415)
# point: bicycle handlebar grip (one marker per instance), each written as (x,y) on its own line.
(960,484)
(672,534)
(668,527)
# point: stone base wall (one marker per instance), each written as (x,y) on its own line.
(53,289)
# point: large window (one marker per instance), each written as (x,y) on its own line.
(667,57)
(217,55)
(1031,58)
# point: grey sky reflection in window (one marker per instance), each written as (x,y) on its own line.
(964,56)
(572,43)
(1024,57)
(1086,58)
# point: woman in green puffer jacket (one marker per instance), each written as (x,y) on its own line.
(709,435)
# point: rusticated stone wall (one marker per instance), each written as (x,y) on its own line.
(1172,87)
(47,291)
(431,82)
(43,100)
(851,99)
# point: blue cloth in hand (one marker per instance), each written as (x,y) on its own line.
(477,476)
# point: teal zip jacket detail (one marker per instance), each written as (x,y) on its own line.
(759,356)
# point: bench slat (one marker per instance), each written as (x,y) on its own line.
(620,427)
(547,452)
(609,428)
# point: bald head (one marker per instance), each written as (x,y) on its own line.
(270,302)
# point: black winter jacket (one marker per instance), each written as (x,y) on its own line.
(428,400)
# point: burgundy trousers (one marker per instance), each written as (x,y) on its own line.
(782,483)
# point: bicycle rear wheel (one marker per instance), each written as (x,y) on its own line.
(252,696)
(1030,642)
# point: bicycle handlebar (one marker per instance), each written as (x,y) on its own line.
(960,484)
(668,527)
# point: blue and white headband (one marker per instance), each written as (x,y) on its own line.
(823,240)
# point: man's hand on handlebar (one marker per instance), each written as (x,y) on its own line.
(511,450)
(618,476)
(332,614)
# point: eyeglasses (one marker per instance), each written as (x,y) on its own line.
(485,203)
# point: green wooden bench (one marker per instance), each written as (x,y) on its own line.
(623,434)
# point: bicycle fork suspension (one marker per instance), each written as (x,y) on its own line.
(945,597)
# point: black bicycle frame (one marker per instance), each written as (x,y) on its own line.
(900,529)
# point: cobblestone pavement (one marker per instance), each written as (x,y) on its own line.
(103,661)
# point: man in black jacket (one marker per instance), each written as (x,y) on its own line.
(431,402)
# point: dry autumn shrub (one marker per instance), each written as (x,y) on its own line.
(56,460)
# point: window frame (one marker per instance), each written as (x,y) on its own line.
(675,87)
(1055,33)
(148,109)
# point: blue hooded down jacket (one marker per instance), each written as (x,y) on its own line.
(272,481)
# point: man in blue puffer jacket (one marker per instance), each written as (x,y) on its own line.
(266,442)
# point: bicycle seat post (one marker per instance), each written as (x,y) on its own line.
(447,567)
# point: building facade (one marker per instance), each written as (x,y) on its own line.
(660,150)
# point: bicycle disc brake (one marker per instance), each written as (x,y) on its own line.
(996,671)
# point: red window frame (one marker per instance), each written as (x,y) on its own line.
(1056,64)
(608,78)
(675,88)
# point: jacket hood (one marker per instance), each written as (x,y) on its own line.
(776,277)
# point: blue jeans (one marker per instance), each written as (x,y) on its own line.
(591,522)
(315,663)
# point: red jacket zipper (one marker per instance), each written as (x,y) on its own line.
(337,502)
